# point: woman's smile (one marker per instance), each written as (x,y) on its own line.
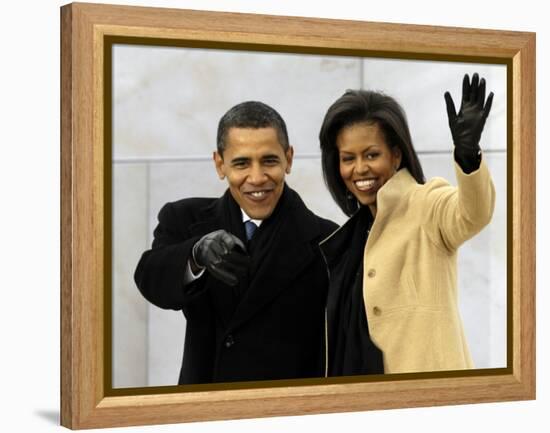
(365,185)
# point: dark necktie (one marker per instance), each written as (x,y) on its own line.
(250,228)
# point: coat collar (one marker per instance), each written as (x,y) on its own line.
(389,198)
(292,250)
(223,213)
(290,254)
(392,199)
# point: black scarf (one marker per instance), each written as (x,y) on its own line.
(263,239)
(353,351)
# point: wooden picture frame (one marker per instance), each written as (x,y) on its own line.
(87,397)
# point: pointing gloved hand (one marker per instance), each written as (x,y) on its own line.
(223,255)
(467,125)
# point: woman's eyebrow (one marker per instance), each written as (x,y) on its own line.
(363,150)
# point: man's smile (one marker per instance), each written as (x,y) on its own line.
(258,195)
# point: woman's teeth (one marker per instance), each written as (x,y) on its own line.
(365,184)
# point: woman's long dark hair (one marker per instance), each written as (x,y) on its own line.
(364,106)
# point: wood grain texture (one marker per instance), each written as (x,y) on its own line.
(84,400)
(524,219)
(308,32)
(67,388)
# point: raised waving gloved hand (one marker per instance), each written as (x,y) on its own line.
(223,255)
(467,125)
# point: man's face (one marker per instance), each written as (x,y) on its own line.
(255,165)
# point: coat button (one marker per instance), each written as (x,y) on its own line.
(371,273)
(377,311)
(229,341)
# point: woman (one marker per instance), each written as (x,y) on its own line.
(392,305)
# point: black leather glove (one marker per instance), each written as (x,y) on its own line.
(466,127)
(223,255)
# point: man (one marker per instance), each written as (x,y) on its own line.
(246,268)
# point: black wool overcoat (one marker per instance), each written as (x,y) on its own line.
(273,328)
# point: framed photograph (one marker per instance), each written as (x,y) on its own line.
(142,91)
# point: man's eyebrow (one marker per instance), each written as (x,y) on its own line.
(239,159)
(272,156)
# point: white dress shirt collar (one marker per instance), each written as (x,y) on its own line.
(247,218)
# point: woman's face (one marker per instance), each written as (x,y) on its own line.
(366,161)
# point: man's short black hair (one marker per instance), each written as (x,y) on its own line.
(251,114)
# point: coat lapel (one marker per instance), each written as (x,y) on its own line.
(390,199)
(218,215)
(221,214)
(291,252)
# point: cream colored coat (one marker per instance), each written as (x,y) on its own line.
(410,262)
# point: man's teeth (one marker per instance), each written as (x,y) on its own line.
(257,194)
(365,184)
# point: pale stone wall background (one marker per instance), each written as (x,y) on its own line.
(166,106)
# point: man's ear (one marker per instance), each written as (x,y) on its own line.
(289,154)
(218,162)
